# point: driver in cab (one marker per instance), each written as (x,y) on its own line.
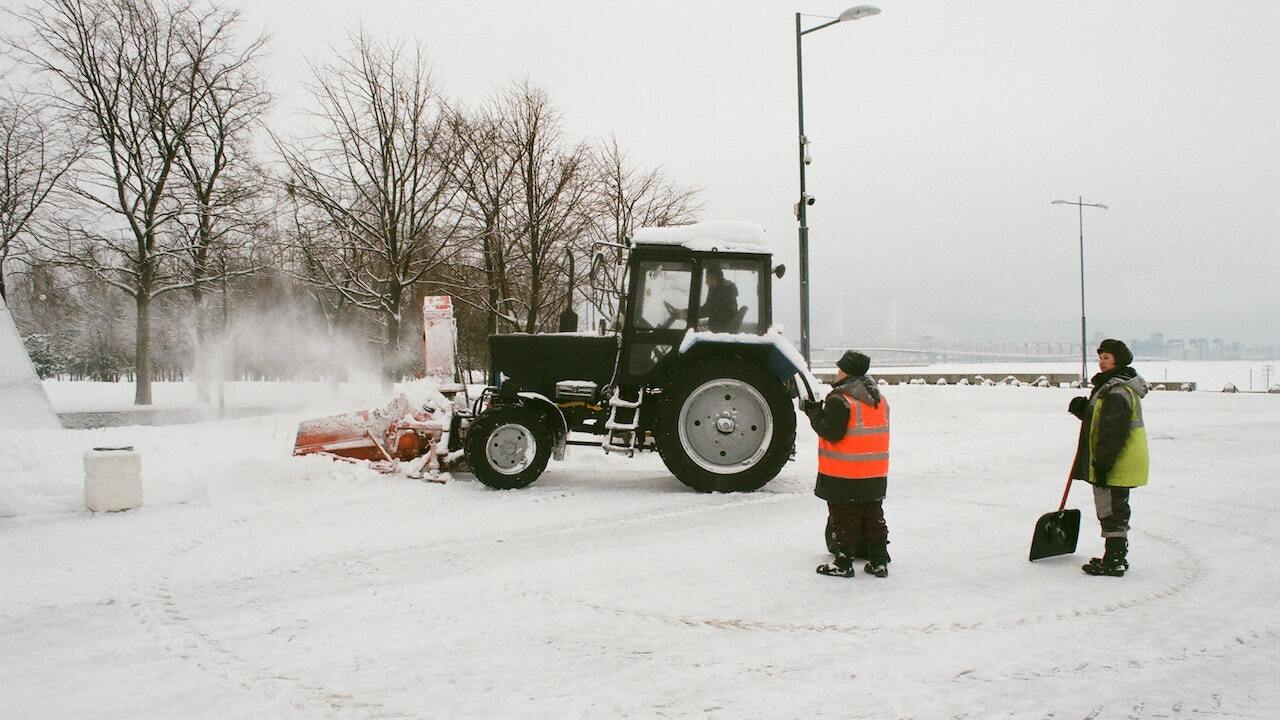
(721,303)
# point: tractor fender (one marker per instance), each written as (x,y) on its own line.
(782,360)
(560,431)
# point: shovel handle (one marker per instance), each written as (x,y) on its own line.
(1067,491)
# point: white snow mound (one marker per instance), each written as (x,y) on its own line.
(23,404)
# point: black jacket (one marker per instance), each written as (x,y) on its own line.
(720,307)
(830,419)
(1113,427)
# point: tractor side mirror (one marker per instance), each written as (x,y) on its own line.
(597,276)
(779,271)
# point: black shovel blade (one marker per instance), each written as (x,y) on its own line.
(1056,534)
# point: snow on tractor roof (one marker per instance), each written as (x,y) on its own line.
(707,237)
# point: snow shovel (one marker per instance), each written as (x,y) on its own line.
(1056,532)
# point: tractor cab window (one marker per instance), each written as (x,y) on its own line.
(663,295)
(729,297)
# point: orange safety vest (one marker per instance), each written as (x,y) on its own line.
(863,452)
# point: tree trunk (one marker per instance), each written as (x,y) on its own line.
(491,269)
(535,297)
(200,363)
(142,352)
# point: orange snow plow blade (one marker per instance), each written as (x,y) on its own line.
(395,432)
(347,435)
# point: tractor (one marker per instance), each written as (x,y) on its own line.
(690,367)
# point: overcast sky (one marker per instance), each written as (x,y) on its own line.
(941,132)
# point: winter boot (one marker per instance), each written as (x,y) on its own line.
(842,566)
(1114,562)
(878,557)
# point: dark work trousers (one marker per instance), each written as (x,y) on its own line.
(1112,504)
(856,525)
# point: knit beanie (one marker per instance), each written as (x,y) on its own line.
(854,363)
(1118,350)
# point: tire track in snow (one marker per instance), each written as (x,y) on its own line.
(377,561)
(164,614)
(181,636)
(1191,569)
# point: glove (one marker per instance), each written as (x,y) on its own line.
(1077,405)
(810,407)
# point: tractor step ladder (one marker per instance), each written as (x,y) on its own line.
(624,419)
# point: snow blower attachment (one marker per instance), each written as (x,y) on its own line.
(1056,533)
(385,437)
(400,432)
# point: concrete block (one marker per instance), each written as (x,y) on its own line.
(112,479)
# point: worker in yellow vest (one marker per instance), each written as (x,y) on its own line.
(1111,452)
(853,467)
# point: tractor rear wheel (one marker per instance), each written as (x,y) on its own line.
(508,447)
(726,426)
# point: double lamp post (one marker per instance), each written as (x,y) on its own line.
(801,207)
(1084,361)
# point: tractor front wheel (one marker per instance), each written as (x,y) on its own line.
(508,447)
(726,426)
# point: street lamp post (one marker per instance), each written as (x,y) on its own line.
(801,208)
(1081,205)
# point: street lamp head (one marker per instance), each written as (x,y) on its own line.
(1060,202)
(858,12)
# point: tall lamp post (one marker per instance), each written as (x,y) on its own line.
(801,208)
(1081,205)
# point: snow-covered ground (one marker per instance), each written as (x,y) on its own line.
(254,584)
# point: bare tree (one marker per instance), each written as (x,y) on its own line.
(378,177)
(625,198)
(216,159)
(486,173)
(127,72)
(552,189)
(536,203)
(33,160)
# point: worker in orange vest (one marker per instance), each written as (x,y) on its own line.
(853,467)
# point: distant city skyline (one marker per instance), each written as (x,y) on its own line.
(1155,346)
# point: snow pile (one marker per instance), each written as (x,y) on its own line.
(41,470)
(23,404)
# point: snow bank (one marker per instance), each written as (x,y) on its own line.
(23,405)
(41,470)
(1209,375)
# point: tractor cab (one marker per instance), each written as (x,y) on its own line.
(673,288)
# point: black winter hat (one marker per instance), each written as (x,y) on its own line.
(854,363)
(1118,350)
